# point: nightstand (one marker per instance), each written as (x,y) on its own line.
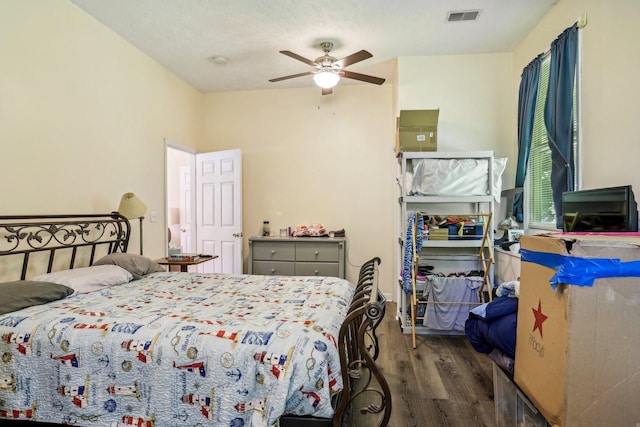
(184,265)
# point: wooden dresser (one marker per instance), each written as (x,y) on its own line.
(298,256)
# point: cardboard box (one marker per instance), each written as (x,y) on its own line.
(417,130)
(577,347)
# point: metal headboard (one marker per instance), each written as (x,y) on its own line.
(66,238)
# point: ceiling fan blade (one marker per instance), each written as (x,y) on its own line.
(353,58)
(292,76)
(298,57)
(327,91)
(361,77)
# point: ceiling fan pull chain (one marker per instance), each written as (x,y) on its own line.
(333,102)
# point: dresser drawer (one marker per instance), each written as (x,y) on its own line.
(274,268)
(274,251)
(293,256)
(317,269)
(317,252)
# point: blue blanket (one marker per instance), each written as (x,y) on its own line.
(177,349)
(493,326)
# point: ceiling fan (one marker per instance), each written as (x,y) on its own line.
(328,70)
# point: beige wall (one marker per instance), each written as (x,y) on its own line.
(474,95)
(335,164)
(103,110)
(83,116)
(312,159)
(610,84)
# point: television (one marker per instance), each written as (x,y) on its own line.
(612,209)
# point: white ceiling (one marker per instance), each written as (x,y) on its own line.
(184,35)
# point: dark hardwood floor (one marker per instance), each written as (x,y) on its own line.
(443,382)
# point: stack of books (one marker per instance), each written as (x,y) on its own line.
(438,233)
(183,257)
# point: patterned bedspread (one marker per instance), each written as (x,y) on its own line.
(177,349)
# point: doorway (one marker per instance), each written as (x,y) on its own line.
(180,165)
(204,206)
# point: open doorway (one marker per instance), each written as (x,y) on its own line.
(204,206)
(180,190)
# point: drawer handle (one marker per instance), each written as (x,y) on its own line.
(273,251)
(273,270)
(317,253)
(317,272)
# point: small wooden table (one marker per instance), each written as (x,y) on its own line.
(184,265)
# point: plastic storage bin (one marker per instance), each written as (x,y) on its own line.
(512,406)
(469,232)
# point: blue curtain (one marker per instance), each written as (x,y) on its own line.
(529,84)
(558,115)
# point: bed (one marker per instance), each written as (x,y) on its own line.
(132,344)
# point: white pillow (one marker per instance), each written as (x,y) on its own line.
(88,279)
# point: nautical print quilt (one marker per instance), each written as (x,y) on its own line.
(177,349)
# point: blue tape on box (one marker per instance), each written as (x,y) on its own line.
(580,271)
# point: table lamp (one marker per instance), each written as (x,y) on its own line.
(132,207)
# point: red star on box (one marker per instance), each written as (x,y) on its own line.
(539,318)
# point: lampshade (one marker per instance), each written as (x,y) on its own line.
(326,79)
(174,216)
(131,207)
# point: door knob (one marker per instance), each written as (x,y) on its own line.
(238,234)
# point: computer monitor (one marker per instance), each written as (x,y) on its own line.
(612,209)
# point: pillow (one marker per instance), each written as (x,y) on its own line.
(88,279)
(135,264)
(26,293)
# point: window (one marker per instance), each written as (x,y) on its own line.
(541,212)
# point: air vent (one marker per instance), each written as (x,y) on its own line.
(463,15)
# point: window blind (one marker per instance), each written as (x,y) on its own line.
(541,201)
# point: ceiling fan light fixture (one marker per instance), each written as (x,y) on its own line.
(326,79)
(327,70)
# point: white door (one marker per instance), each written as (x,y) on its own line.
(219,210)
